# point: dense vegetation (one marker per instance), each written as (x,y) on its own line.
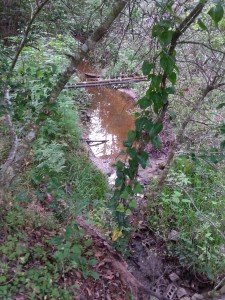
(47,180)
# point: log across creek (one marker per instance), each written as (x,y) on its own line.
(106,82)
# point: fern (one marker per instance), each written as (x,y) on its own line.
(50,155)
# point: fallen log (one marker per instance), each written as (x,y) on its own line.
(106,82)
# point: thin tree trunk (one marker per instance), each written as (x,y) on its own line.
(179,137)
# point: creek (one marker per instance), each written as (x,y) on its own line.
(110,118)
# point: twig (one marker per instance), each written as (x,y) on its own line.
(201,44)
(24,39)
(95,141)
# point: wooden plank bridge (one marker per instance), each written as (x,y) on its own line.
(105,82)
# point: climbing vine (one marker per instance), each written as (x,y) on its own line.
(162,72)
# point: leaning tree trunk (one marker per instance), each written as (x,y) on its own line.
(14,163)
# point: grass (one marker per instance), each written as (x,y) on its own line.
(41,248)
(192,203)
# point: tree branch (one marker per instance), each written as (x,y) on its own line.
(89,45)
(24,39)
(201,44)
(179,137)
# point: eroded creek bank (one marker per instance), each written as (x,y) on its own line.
(110,118)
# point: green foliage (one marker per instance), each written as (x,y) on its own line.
(73,252)
(192,203)
(146,128)
(216,12)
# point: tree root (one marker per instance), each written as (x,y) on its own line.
(118,263)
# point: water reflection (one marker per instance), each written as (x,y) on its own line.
(110,119)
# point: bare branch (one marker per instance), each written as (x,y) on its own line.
(89,45)
(201,44)
(24,39)
(179,137)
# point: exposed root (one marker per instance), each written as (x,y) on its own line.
(118,263)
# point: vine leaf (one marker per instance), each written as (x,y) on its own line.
(146,67)
(202,25)
(137,188)
(167,63)
(172,77)
(166,37)
(142,159)
(145,102)
(216,13)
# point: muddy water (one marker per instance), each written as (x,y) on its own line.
(110,118)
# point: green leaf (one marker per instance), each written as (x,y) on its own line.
(202,25)
(143,159)
(222,129)
(156,30)
(156,129)
(127,191)
(131,136)
(137,188)
(42,116)
(2,279)
(147,67)
(139,123)
(120,208)
(57,240)
(155,82)
(92,262)
(172,77)
(216,13)
(120,165)
(165,37)
(127,143)
(161,27)
(128,212)
(132,152)
(132,164)
(148,125)
(88,243)
(132,204)
(145,102)
(170,90)
(157,106)
(94,275)
(167,63)
(156,142)
(221,105)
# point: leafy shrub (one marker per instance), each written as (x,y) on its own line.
(192,203)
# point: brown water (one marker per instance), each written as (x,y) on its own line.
(110,118)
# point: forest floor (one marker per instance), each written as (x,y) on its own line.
(148,258)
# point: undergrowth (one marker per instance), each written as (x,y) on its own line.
(43,253)
(191,207)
